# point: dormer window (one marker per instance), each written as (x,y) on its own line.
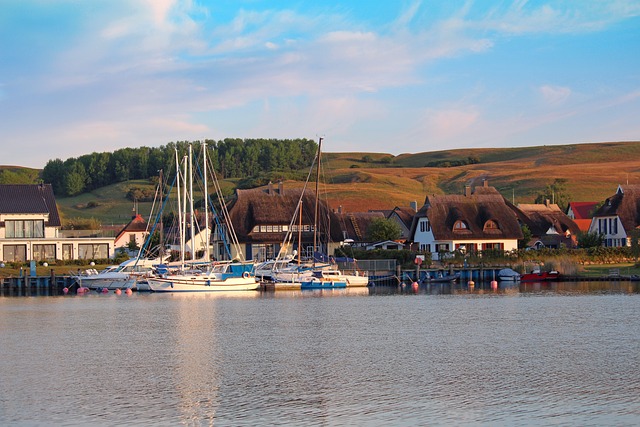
(460,226)
(491,225)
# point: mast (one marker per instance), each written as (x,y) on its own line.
(315,215)
(191,222)
(161,231)
(300,232)
(206,203)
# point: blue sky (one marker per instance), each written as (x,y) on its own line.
(369,76)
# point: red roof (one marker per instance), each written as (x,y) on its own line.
(582,210)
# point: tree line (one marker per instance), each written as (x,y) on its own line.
(231,158)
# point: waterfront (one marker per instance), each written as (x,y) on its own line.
(535,354)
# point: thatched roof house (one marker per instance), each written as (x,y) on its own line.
(477,220)
(619,216)
(549,226)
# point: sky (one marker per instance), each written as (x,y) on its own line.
(78,77)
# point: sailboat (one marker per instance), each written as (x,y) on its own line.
(218,276)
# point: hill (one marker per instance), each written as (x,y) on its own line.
(363,181)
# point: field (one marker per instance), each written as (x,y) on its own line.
(363,181)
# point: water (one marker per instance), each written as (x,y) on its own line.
(560,354)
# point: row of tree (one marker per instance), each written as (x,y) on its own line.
(231,158)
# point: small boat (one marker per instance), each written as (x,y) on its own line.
(122,276)
(441,277)
(540,276)
(320,281)
(508,275)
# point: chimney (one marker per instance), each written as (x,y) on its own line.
(270,190)
(467,191)
(485,182)
(414,206)
(280,188)
(546,202)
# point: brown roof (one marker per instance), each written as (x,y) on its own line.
(475,209)
(625,204)
(270,206)
(541,217)
(405,214)
(29,199)
(136,225)
(355,224)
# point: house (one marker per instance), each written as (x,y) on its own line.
(404,217)
(133,234)
(354,226)
(581,213)
(478,220)
(619,217)
(390,245)
(30,228)
(549,226)
(262,219)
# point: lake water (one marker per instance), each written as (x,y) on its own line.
(558,354)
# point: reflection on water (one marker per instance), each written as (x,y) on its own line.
(442,354)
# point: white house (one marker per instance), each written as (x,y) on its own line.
(473,222)
(618,217)
(30,228)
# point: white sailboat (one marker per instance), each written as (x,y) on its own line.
(219,276)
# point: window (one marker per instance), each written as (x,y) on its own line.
(24,228)
(442,247)
(15,253)
(425,225)
(43,252)
(492,246)
(93,251)
(491,225)
(460,225)
(67,252)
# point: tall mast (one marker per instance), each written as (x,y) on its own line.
(183,224)
(315,216)
(161,231)
(193,251)
(206,203)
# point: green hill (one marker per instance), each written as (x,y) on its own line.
(363,181)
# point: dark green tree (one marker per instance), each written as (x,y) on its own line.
(556,193)
(527,235)
(590,240)
(383,229)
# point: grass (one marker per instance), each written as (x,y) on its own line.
(599,270)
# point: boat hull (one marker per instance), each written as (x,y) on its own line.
(201,284)
(323,284)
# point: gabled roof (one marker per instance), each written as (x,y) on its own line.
(582,210)
(404,214)
(475,210)
(356,224)
(541,217)
(136,225)
(29,199)
(269,206)
(625,204)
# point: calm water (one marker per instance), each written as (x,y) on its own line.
(561,354)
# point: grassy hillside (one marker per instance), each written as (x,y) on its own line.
(363,181)
(18,175)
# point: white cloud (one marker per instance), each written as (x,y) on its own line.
(555,95)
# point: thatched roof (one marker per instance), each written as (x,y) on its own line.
(625,204)
(540,218)
(355,224)
(404,214)
(29,199)
(475,210)
(271,206)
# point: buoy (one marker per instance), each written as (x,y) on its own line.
(83,290)
(118,291)
(471,283)
(128,291)
(494,284)
(414,285)
(65,290)
(105,290)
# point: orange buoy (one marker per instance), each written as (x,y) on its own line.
(471,283)
(494,284)
(414,285)
(118,291)
(128,291)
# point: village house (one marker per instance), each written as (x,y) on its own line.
(30,228)
(262,218)
(581,213)
(403,216)
(619,217)
(550,227)
(132,235)
(478,220)
(355,226)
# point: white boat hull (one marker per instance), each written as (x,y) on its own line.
(201,284)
